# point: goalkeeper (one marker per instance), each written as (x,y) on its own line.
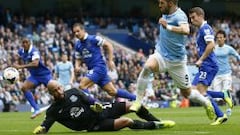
(77,111)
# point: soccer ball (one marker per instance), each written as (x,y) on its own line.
(10,75)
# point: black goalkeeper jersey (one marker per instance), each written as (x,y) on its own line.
(73,111)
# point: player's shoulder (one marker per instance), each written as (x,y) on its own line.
(206,29)
(206,26)
(94,38)
(52,109)
(228,46)
(72,91)
(180,13)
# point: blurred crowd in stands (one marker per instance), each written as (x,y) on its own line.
(52,35)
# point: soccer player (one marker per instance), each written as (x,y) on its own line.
(39,73)
(223,79)
(88,48)
(64,71)
(207,61)
(74,110)
(222,83)
(170,55)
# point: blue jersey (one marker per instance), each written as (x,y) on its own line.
(223,53)
(31,55)
(204,35)
(208,69)
(89,51)
(172,45)
(63,70)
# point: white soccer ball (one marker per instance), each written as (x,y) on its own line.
(10,75)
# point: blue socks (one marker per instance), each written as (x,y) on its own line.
(218,111)
(86,91)
(125,94)
(28,95)
(215,94)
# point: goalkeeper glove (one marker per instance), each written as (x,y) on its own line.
(40,130)
(96,107)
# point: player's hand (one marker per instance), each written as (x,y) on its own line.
(40,130)
(163,22)
(111,65)
(97,107)
(198,63)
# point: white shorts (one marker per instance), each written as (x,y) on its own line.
(222,82)
(177,70)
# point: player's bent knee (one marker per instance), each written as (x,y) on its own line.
(126,121)
(82,86)
(186,92)
(111,92)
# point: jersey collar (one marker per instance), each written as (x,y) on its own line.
(85,36)
(204,22)
(30,48)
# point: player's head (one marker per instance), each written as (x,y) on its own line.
(26,43)
(220,37)
(166,5)
(79,31)
(64,57)
(196,16)
(55,89)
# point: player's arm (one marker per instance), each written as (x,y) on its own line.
(109,48)
(208,50)
(77,61)
(56,71)
(34,63)
(234,53)
(72,74)
(183,28)
(45,126)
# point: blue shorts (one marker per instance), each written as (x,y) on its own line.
(99,76)
(205,76)
(37,80)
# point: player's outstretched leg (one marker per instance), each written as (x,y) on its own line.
(145,114)
(137,124)
(28,95)
(196,96)
(225,95)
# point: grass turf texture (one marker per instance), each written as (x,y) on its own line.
(189,121)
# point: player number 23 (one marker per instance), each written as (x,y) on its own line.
(203,75)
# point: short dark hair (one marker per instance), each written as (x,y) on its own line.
(78,25)
(221,32)
(197,10)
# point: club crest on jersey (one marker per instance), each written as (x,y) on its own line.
(73,98)
(207,31)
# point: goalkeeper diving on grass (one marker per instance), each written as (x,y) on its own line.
(78,111)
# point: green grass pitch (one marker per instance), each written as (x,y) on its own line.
(189,121)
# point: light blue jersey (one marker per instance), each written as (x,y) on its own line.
(172,45)
(63,70)
(223,53)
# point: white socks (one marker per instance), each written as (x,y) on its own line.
(196,96)
(142,82)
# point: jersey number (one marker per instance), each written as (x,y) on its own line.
(203,75)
